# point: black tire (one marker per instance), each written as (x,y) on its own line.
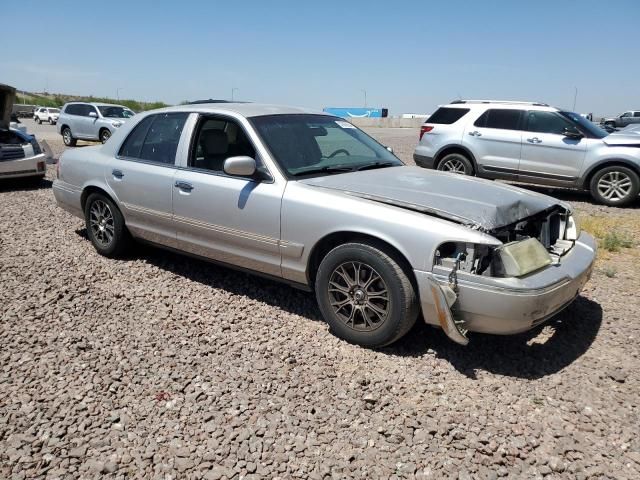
(625,182)
(610,124)
(455,163)
(120,240)
(67,137)
(105,134)
(38,121)
(402,306)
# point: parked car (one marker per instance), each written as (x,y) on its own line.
(46,114)
(309,199)
(91,121)
(622,120)
(532,143)
(20,153)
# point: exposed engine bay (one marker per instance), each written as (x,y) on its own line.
(528,245)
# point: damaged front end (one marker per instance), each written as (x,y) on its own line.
(528,246)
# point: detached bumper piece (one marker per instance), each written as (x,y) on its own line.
(443,298)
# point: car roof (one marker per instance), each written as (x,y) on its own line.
(243,109)
(506,104)
(97,104)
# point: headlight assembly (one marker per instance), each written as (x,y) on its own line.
(517,259)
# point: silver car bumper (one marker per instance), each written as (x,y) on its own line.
(24,167)
(68,197)
(509,305)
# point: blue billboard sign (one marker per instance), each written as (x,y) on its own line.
(356,112)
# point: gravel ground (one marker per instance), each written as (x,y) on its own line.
(160,366)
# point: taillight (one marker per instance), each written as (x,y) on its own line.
(424,129)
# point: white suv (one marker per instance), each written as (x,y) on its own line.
(44,114)
(531,143)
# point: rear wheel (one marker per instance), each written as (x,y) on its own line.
(105,226)
(365,296)
(456,163)
(616,186)
(38,121)
(67,138)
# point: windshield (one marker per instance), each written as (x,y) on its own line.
(54,110)
(320,145)
(590,127)
(115,112)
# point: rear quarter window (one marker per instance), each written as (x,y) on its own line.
(447,115)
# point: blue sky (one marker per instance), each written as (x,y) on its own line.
(409,56)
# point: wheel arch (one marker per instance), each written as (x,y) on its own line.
(89,189)
(446,150)
(613,162)
(332,240)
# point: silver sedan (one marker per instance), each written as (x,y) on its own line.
(309,199)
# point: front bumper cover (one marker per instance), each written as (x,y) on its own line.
(506,306)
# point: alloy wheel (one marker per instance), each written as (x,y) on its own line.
(453,165)
(615,186)
(66,135)
(359,296)
(101,222)
(105,136)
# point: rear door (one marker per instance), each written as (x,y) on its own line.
(495,139)
(142,176)
(548,156)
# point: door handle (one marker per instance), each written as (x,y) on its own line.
(534,140)
(475,133)
(117,174)
(187,187)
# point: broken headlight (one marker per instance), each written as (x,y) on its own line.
(516,259)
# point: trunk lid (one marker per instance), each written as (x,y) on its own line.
(478,203)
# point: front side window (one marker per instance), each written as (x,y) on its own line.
(547,122)
(216,140)
(305,144)
(109,111)
(155,138)
(626,114)
(502,118)
(586,126)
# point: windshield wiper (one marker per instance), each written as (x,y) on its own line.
(371,166)
(326,169)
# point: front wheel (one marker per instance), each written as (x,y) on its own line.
(615,186)
(365,296)
(456,163)
(38,121)
(105,226)
(105,135)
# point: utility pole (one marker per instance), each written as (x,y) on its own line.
(575,97)
(118,93)
(233,90)
(365,97)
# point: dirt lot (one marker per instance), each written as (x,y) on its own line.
(160,366)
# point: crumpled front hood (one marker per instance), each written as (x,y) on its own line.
(630,138)
(481,204)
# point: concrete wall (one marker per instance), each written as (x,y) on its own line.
(387,122)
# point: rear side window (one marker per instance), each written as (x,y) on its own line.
(636,114)
(502,118)
(74,109)
(447,115)
(155,138)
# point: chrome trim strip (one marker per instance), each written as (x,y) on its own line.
(147,211)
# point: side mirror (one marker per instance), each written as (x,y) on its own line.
(93,114)
(572,133)
(389,149)
(241,166)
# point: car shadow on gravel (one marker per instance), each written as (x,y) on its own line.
(24,184)
(542,351)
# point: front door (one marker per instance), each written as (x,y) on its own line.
(231,219)
(548,156)
(142,176)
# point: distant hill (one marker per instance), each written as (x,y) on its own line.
(59,99)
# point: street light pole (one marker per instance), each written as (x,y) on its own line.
(575,97)
(118,93)
(365,98)
(233,90)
